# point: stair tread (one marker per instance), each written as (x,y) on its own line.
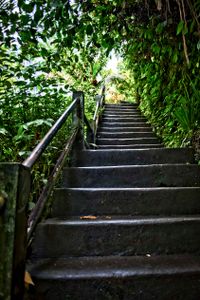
(115,266)
(128,139)
(125,135)
(132,175)
(125,201)
(128,151)
(123,109)
(130,146)
(123,119)
(123,132)
(130,129)
(127,212)
(124,105)
(136,189)
(139,166)
(123,116)
(117,235)
(136,152)
(122,112)
(125,220)
(132,122)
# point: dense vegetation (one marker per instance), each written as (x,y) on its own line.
(49,48)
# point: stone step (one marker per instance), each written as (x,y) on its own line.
(117,235)
(124,135)
(124,119)
(121,124)
(133,157)
(128,102)
(124,129)
(120,115)
(121,106)
(122,111)
(159,175)
(104,278)
(125,201)
(126,147)
(127,141)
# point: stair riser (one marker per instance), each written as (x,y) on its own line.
(119,115)
(132,247)
(128,147)
(132,157)
(124,135)
(128,141)
(123,202)
(124,107)
(137,176)
(183,287)
(88,238)
(124,124)
(124,129)
(124,119)
(122,112)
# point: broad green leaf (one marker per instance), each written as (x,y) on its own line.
(175,57)
(180,27)
(3,131)
(198,45)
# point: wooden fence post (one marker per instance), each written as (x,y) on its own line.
(14,192)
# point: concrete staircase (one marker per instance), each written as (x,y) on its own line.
(125,220)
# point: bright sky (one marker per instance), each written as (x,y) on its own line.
(113,61)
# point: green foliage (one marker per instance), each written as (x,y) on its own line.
(50,48)
(166,85)
(41,63)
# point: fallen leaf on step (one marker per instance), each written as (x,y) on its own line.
(108,217)
(94,145)
(27,279)
(88,217)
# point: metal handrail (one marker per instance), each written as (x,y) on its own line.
(76,108)
(18,196)
(39,149)
(40,204)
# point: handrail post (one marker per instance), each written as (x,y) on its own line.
(103,95)
(14,192)
(96,115)
(100,100)
(78,118)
